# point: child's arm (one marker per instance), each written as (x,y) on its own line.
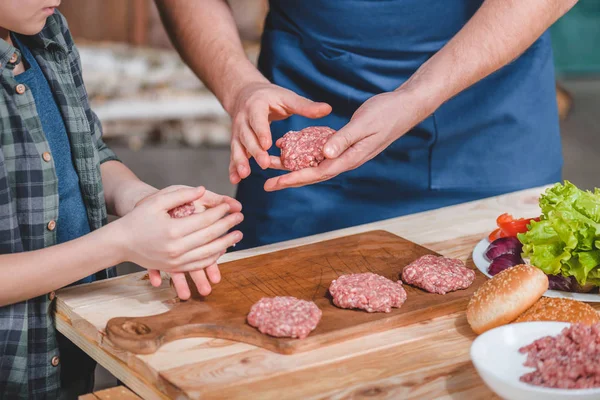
(147,236)
(122,189)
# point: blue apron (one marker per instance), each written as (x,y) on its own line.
(498,136)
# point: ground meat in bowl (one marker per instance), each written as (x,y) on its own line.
(570,360)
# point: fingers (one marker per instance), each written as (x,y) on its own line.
(250,142)
(305,107)
(200,277)
(212,232)
(278,142)
(197,222)
(239,166)
(213,273)
(234,205)
(154,277)
(181,286)
(343,139)
(276,164)
(211,199)
(258,119)
(209,250)
(170,200)
(325,171)
(201,281)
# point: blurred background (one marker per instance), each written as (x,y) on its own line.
(168,128)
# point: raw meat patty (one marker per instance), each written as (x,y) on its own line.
(368,291)
(567,361)
(438,274)
(303,149)
(284,316)
(182,211)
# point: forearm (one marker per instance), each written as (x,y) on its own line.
(499,32)
(30,274)
(122,189)
(206,36)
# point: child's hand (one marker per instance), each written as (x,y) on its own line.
(156,241)
(203,277)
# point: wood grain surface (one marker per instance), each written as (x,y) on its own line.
(115,393)
(303,272)
(428,360)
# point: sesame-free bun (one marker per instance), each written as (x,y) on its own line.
(560,310)
(505,297)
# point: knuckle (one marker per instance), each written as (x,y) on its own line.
(238,122)
(251,101)
(347,140)
(172,263)
(172,233)
(173,251)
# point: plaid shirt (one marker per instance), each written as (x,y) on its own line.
(29,197)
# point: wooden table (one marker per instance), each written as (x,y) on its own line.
(115,393)
(430,360)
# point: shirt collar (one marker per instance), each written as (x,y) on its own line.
(7,51)
(50,38)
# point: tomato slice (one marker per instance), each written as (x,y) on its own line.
(495,235)
(508,226)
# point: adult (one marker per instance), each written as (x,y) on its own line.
(448,101)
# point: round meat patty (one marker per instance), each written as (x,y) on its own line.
(368,291)
(284,316)
(438,274)
(303,149)
(182,211)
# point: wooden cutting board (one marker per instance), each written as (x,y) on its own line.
(304,272)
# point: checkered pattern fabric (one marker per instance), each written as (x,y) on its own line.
(29,197)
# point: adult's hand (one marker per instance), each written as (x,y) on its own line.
(374,126)
(256,106)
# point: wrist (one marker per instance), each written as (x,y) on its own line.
(246,74)
(131,195)
(424,92)
(116,240)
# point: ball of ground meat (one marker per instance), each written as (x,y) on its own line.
(304,149)
(182,211)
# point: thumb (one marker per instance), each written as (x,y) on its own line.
(342,140)
(307,108)
(170,200)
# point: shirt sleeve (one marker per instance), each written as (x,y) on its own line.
(106,154)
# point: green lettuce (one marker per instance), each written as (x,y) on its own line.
(566,240)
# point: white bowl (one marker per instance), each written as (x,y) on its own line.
(496,357)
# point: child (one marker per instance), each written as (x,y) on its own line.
(58,180)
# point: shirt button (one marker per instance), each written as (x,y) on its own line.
(55,361)
(46,156)
(51,296)
(14,58)
(51,225)
(20,89)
